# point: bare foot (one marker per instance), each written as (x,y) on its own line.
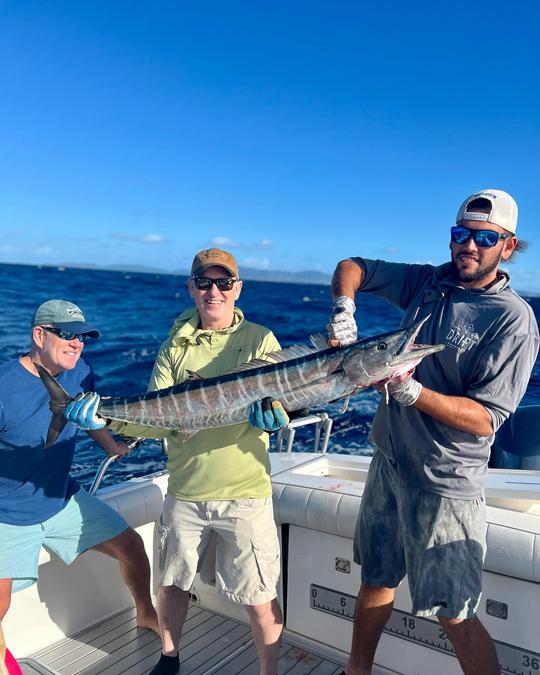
(148,619)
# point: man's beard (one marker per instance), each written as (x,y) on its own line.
(481,273)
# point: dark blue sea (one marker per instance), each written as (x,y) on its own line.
(134,313)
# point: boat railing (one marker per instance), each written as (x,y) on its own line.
(132,443)
(323,427)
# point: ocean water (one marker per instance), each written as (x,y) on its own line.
(134,313)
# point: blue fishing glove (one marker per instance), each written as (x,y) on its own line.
(268,415)
(82,411)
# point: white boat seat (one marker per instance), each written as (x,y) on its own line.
(513,548)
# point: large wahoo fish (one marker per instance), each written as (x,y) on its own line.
(299,376)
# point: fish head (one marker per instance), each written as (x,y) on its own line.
(386,356)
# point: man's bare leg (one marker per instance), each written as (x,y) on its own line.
(172,609)
(128,549)
(266,626)
(173,605)
(5,596)
(474,647)
(373,609)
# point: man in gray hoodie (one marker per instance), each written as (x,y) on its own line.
(423,508)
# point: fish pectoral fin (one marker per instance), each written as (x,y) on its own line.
(193,376)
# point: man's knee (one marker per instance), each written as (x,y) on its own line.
(268,612)
(376,594)
(457,628)
(125,546)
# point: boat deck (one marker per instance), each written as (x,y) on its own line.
(211,643)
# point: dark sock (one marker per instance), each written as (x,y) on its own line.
(167,665)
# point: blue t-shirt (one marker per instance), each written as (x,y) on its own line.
(34,482)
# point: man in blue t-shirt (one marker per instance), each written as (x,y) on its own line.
(40,504)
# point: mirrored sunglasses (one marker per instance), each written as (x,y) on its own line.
(67,335)
(482,238)
(223,283)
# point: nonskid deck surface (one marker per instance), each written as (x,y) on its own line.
(211,643)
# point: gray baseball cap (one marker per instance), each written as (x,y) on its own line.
(504,210)
(63,314)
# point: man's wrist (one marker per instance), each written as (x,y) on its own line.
(346,303)
(409,394)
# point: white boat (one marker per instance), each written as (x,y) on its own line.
(79,619)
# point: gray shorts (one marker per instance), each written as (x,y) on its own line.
(240,533)
(440,543)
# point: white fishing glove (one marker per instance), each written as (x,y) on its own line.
(405,392)
(342,325)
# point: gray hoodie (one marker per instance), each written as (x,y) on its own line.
(492,339)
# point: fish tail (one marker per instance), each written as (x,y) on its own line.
(59,400)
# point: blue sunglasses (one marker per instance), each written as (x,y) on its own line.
(482,238)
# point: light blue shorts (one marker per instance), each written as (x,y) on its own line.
(84,522)
(438,542)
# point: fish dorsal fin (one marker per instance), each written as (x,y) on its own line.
(319,341)
(275,357)
(256,363)
(193,376)
(288,353)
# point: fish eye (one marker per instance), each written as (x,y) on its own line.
(382,346)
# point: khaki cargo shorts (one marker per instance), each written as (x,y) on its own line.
(243,535)
(440,543)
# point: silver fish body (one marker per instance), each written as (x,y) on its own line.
(300,377)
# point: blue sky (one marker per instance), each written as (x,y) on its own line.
(293,133)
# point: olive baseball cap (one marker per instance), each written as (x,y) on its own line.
(63,314)
(504,210)
(214,256)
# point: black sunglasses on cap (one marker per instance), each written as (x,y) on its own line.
(482,238)
(68,335)
(223,283)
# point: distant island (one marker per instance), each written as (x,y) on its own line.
(248,273)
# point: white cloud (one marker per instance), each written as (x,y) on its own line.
(227,242)
(154,238)
(224,242)
(257,263)
(44,250)
(7,248)
(151,238)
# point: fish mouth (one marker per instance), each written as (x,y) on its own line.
(410,353)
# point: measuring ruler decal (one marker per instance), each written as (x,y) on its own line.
(512,660)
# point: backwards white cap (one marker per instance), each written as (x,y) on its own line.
(504,210)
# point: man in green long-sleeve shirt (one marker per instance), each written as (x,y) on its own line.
(219,479)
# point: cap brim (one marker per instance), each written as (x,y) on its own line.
(78,327)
